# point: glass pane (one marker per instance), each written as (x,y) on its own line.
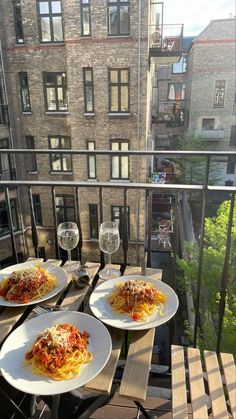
(51,99)
(112,20)
(56,162)
(56,7)
(45,28)
(115,167)
(114,99)
(91,145)
(115,145)
(92,167)
(69,201)
(65,142)
(60,215)
(57,28)
(59,201)
(124,146)
(25,99)
(124,167)
(62,103)
(66,163)
(43,7)
(88,75)
(70,214)
(54,143)
(124,76)
(124,99)
(86,21)
(124,19)
(89,99)
(114,76)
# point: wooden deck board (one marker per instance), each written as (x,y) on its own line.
(179,393)
(229,369)
(197,389)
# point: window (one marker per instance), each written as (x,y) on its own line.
(4,222)
(25,96)
(85,17)
(6,171)
(37,210)
(119,88)
(88,90)
(219,93)
(50,20)
(117,215)
(119,164)
(181,66)
(208,123)
(232,141)
(32,162)
(65,208)
(60,162)
(55,85)
(18,22)
(231,165)
(118,17)
(229,183)
(91,161)
(93,221)
(176,91)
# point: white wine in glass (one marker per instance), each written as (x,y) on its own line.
(109,241)
(68,236)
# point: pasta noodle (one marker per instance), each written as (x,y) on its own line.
(59,351)
(27,285)
(138,299)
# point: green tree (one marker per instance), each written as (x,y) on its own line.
(213,257)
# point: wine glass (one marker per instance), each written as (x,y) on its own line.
(109,241)
(68,237)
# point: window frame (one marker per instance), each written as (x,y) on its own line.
(118,4)
(184,65)
(82,7)
(119,84)
(87,84)
(231,164)
(18,22)
(89,158)
(37,209)
(56,86)
(50,15)
(208,119)
(232,138)
(65,207)
(61,156)
(220,103)
(14,212)
(91,217)
(32,158)
(24,85)
(182,90)
(121,217)
(120,142)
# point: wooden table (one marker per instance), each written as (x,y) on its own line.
(137,366)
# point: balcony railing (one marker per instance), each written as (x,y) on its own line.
(211,134)
(175,190)
(165,40)
(169,113)
(4,117)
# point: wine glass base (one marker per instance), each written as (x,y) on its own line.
(109,273)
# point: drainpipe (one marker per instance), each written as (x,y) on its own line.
(138,125)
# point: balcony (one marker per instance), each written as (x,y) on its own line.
(170,204)
(211,134)
(169,113)
(165,43)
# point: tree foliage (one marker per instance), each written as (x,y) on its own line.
(213,259)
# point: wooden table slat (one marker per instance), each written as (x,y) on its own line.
(229,369)
(197,389)
(179,392)
(219,408)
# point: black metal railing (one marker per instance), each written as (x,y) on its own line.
(166,39)
(150,189)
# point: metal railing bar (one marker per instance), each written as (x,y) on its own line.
(11,227)
(145,186)
(149,229)
(33,224)
(102,258)
(200,258)
(119,152)
(80,242)
(224,276)
(55,222)
(125,238)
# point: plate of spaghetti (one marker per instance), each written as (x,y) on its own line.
(55,352)
(30,283)
(134,302)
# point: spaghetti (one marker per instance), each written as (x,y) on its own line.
(59,351)
(27,284)
(138,299)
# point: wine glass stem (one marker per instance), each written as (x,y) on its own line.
(69,255)
(109,258)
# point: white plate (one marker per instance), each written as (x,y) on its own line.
(103,310)
(20,341)
(52,269)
